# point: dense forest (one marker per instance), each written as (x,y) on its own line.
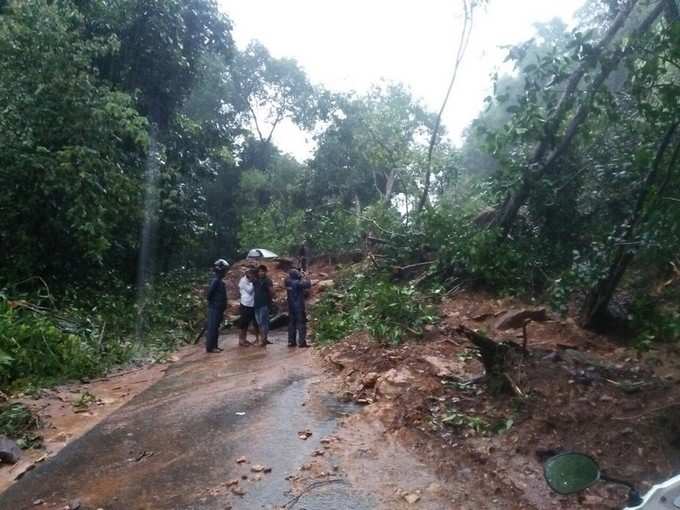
(138,146)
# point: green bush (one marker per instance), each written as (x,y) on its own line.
(36,344)
(463,249)
(653,322)
(18,422)
(389,312)
(92,331)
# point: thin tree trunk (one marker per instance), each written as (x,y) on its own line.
(462,47)
(507,213)
(389,185)
(596,304)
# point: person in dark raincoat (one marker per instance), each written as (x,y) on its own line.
(264,295)
(296,286)
(217,304)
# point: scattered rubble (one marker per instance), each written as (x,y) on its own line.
(412,498)
(573,390)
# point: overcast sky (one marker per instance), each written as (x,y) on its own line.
(352,44)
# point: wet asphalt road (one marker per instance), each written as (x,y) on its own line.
(175,445)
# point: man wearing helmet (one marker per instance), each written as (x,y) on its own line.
(217,304)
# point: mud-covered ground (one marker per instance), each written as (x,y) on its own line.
(359,425)
(574,391)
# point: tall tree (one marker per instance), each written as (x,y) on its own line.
(561,124)
(72,150)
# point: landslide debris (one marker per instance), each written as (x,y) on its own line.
(572,390)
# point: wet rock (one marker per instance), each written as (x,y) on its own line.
(39,502)
(516,318)
(369,380)
(10,453)
(241,460)
(342,359)
(257,468)
(394,382)
(232,483)
(237,491)
(442,367)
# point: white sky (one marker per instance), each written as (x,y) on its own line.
(352,44)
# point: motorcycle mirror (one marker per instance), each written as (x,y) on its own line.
(569,473)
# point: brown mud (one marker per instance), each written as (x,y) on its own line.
(575,391)
(363,426)
(69,411)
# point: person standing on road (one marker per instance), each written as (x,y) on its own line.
(247,307)
(264,295)
(217,304)
(296,285)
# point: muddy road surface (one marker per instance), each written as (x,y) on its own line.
(218,431)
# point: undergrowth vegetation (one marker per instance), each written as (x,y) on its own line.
(92,331)
(390,312)
(19,423)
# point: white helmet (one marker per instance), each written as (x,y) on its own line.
(221,265)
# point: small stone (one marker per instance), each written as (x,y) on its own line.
(370,379)
(257,468)
(516,318)
(74,505)
(237,491)
(241,460)
(318,453)
(38,502)
(412,499)
(232,483)
(305,434)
